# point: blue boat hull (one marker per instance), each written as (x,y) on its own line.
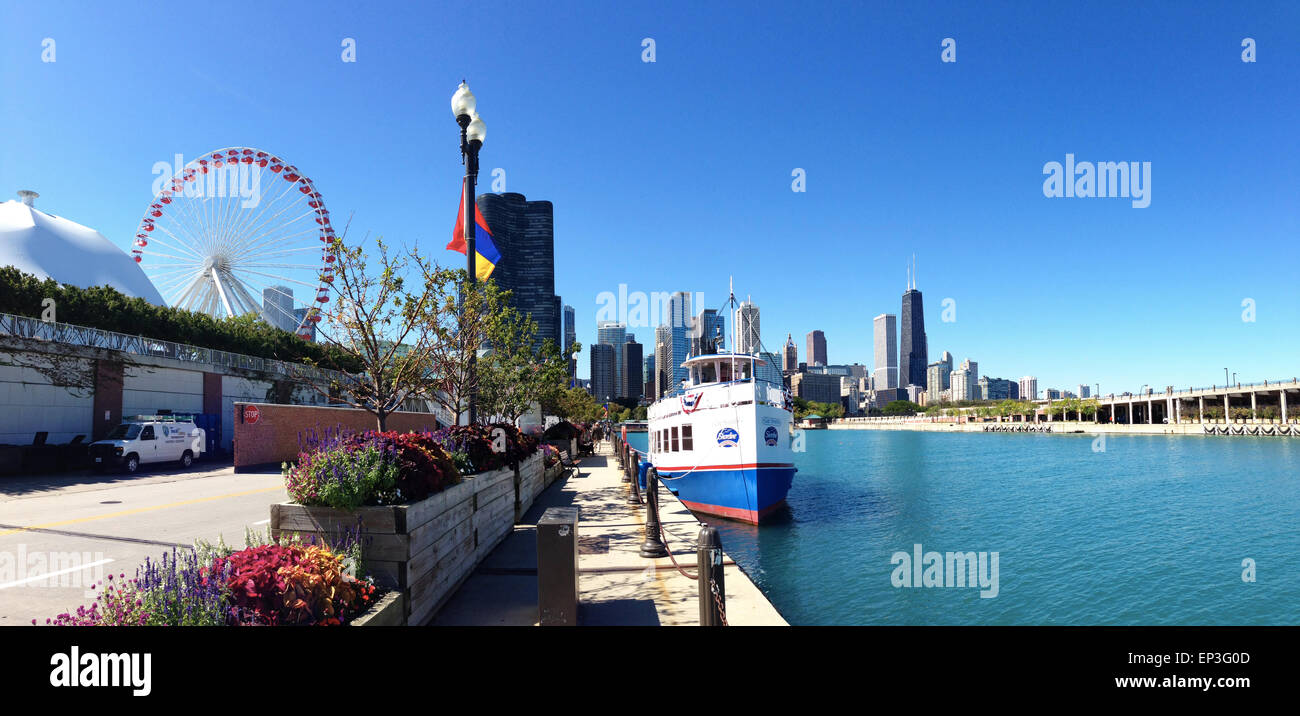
(747,493)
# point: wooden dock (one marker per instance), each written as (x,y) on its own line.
(617,587)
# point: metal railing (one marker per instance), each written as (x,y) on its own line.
(34,329)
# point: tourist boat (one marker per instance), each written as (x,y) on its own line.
(723,442)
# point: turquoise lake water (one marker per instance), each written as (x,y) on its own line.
(1153,530)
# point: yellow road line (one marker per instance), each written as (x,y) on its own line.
(139,510)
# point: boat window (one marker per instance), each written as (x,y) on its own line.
(709,373)
(724,372)
(663,440)
(674,446)
(743,368)
(687,441)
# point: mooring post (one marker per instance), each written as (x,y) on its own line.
(628,458)
(713,592)
(653,546)
(634,496)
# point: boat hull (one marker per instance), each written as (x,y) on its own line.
(746,493)
(725,450)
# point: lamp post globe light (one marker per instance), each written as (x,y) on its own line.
(472,132)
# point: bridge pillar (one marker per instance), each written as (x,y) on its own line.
(1130,412)
(1151,415)
(1252,406)
(1283,406)
(1178,410)
(1226,415)
(1200,409)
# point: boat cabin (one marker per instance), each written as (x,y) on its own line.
(712,368)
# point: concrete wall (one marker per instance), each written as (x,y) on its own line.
(30,404)
(274,438)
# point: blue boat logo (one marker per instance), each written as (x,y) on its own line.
(728,437)
(770,437)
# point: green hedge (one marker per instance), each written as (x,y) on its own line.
(108,309)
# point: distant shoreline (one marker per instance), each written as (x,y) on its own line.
(1069,427)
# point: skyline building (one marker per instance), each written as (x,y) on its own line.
(938,377)
(791,357)
(570,337)
(277,307)
(708,332)
(769,371)
(663,359)
(1029,388)
(648,376)
(998,389)
(971,391)
(633,382)
(524,233)
(603,386)
(959,384)
(913,353)
(1085,391)
(885,331)
(613,334)
(817,387)
(748,333)
(680,321)
(816,354)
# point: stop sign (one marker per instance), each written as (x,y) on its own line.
(251,414)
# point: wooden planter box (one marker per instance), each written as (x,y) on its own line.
(423,550)
(390,610)
(553,474)
(530,480)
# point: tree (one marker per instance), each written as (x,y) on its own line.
(385,327)
(902,407)
(461,315)
(517,372)
(576,405)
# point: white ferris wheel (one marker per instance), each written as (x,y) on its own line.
(240,231)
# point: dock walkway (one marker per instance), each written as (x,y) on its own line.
(617,587)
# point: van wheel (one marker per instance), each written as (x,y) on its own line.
(187,459)
(132,463)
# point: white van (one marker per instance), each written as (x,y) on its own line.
(149,439)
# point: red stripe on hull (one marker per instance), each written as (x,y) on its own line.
(733,513)
(744,466)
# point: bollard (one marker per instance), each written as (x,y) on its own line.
(654,543)
(634,497)
(627,459)
(708,553)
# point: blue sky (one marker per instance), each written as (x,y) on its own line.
(675,175)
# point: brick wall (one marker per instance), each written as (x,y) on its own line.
(273,439)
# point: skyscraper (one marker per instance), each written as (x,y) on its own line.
(663,359)
(886,349)
(648,375)
(1085,391)
(680,322)
(1029,388)
(973,370)
(570,337)
(603,386)
(523,232)
(748,330)
(708,332)
(913,358)
(613,334)
(633,383)
(816,348)
(791,355)
(277,307)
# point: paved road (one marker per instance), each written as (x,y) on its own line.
(113,521)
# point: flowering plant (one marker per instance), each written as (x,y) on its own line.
(347,470)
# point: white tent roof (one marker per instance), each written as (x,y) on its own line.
(49,246)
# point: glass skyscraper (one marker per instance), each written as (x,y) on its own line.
(524,233)
(912,358)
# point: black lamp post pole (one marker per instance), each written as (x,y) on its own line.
(469,155)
